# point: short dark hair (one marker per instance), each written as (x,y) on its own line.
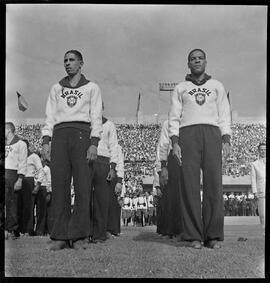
(196,49)
(261,144)
(27,142)
(76,53)
(11,126)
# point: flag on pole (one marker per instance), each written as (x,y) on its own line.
(22,104)
(228,96)
(138,106)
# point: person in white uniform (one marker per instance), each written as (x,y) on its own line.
(258,172)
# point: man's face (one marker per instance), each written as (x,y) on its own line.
(7,131)
(262,151)
(197,62)
(72,64)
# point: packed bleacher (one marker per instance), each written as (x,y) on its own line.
(139,146)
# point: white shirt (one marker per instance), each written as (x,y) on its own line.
(141,201)
(150,201)
(120,162)
(16,157)
(107,145)
(34,168)
(165,144)
(258,173)
(47,178)
(127,203)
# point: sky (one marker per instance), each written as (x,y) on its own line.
(130,49)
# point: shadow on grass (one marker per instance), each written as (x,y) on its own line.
(154,237)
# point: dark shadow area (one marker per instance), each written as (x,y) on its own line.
(154,237)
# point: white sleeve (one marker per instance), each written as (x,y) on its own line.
(157,161)
(96,111)
(39,169)
(253,179)
(51,108)
(22,158)
(224,111)
(175,112)
(48,177)
(113,143)
(120,163)
(164,142)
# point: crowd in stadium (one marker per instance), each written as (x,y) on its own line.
(139,145)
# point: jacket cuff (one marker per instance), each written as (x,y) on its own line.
(226,139)
(119,180)
(113,165)
(163,164)
(174,139)
(46,140)
(94,141)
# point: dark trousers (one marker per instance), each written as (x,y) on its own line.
(27,208)
(114,212)
(68,159)
(100,204)
(41,207)
(201,148)
(11,201)
(174,203)
(162,212)
(49,216)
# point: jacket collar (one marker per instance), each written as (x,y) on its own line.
(65,82)
(189,77)
(14,140)
(104,120)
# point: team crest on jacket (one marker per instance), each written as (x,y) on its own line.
(71,100)
(200,98)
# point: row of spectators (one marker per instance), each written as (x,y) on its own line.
(240,204)
(139,145)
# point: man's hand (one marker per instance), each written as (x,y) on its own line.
(45,152)
(91,153)
(118,189)
(226,148)
(177,153)
(48,198)
(111,175)
(159,192)
(36,189)
(18,185)
(163,176)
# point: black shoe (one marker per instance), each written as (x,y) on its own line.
(81,244)
(212,244)
(195,245)
(14,235)
(96,241)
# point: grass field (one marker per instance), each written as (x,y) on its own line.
(140,253)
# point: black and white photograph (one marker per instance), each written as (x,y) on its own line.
(135,141)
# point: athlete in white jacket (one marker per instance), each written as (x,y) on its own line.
(15,169)
(103,178)
(258,173)
(200,127)
(74,124)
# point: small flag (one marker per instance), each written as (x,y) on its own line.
(138,106)
(228,96)
(22,104)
